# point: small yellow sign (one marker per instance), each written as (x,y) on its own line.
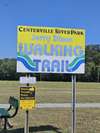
(27,97)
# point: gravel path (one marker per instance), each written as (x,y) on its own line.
(60,105)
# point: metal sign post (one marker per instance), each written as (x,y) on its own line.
(73,103)
(26,119)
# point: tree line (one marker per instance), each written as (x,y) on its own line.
(92,69)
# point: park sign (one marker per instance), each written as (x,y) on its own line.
(27,97)
(50,50)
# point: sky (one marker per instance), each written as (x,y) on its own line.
(53,13)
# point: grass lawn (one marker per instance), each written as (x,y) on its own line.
(55,120)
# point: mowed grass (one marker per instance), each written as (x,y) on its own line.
(55,120)
(54,92)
